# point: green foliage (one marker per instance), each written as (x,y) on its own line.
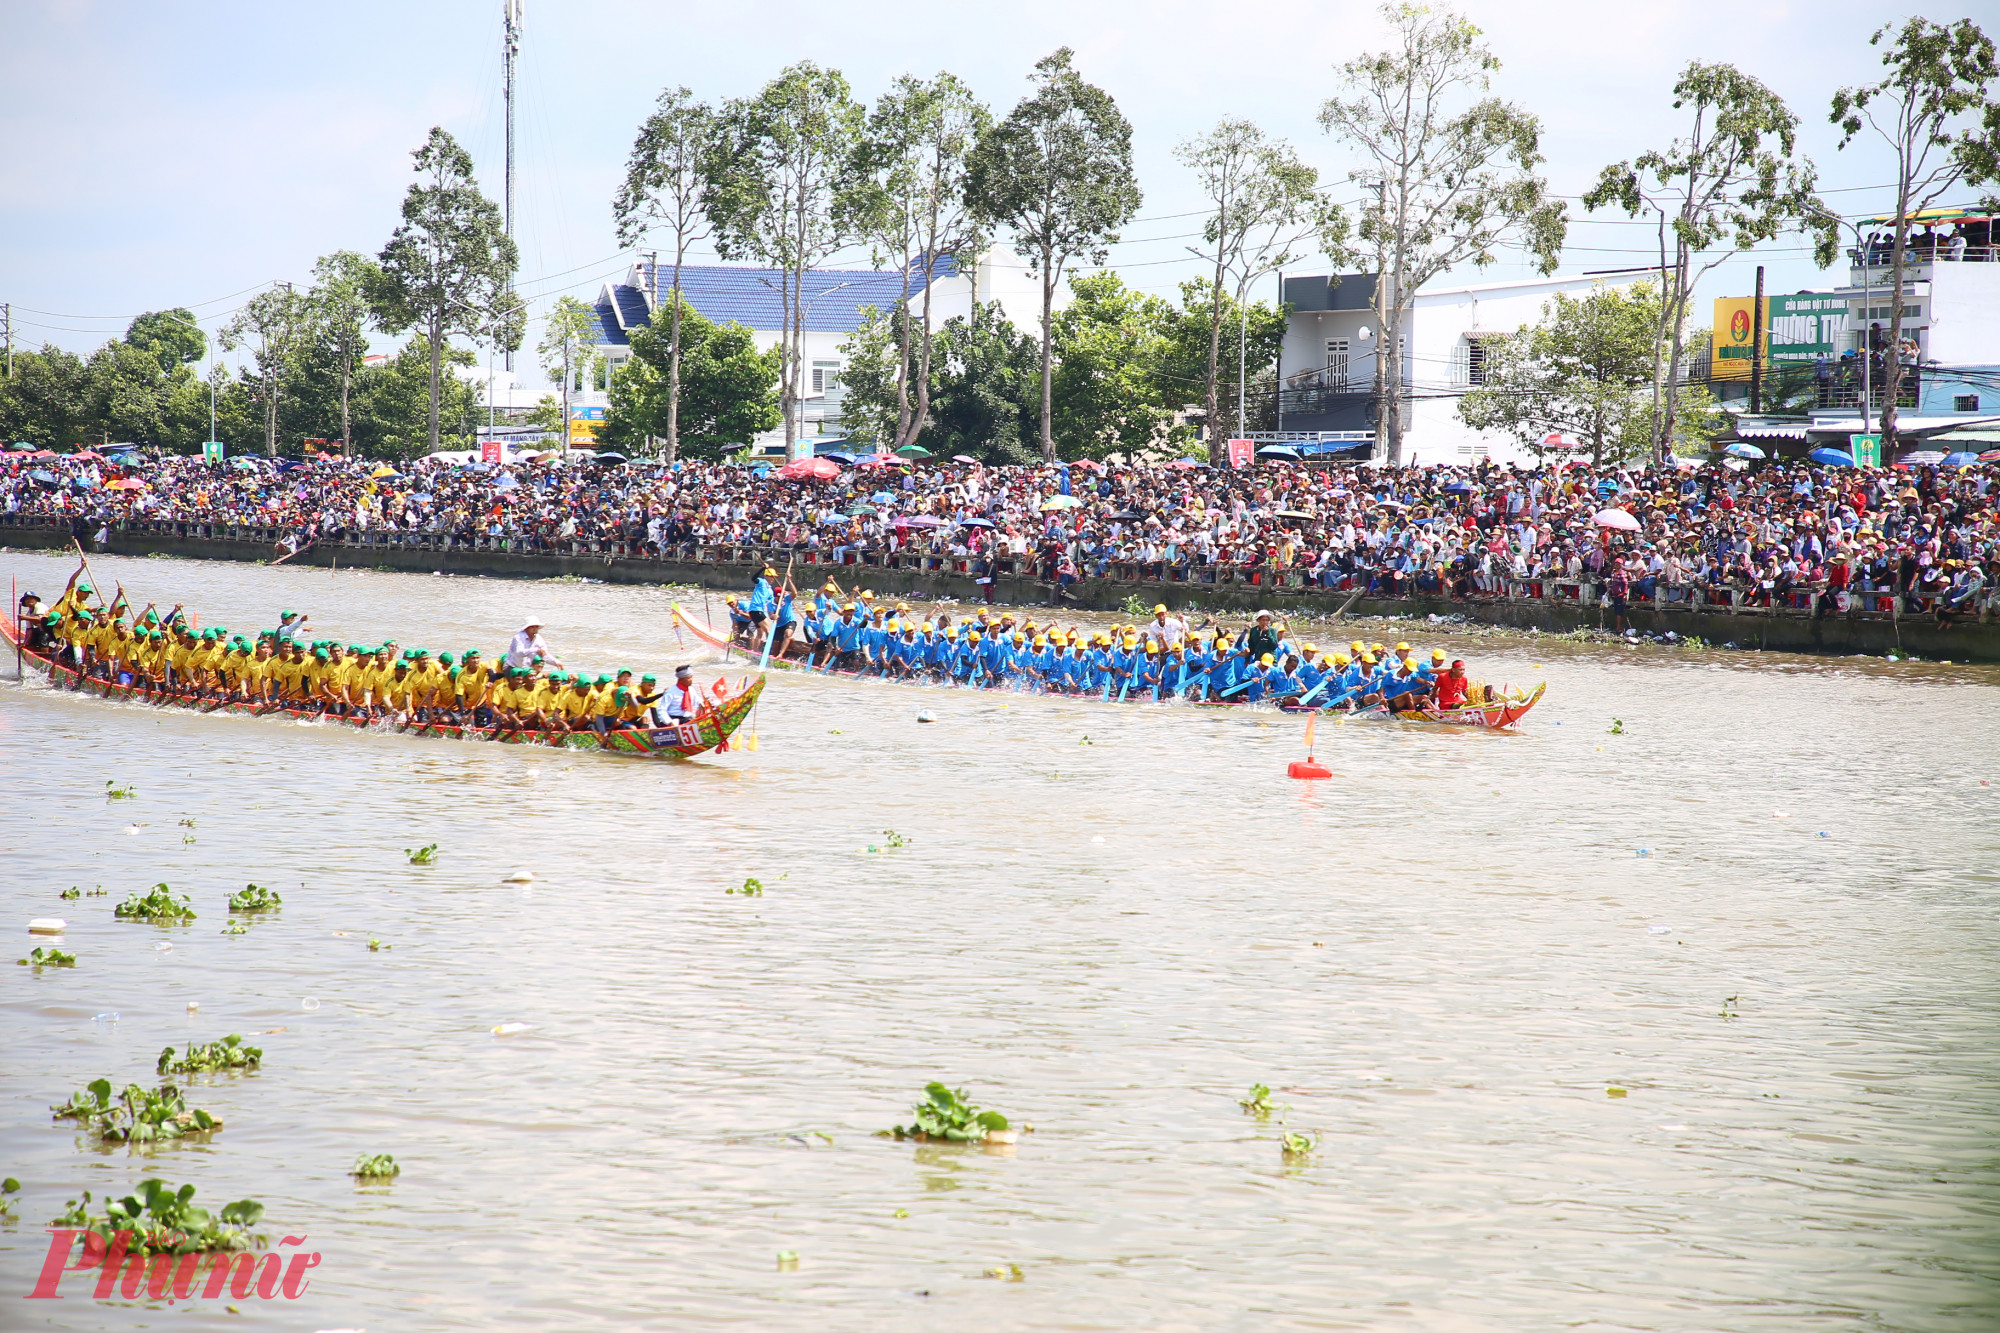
(172,336)
(135,1115)
(164,1220)
(376,946)
(1258,1101)
(985,390)
(873,354)
(254,898)
(157,904)
(8,1186)
(1058,173)
(49,957)
(446,268)
(212,1057)
(1298,1144)
(1109,377)
(114,792)
(1253,333)
(752,888)
(1456,167)
(892,839)
(1586,370)
(376,1166)
(71,892)
(1617,727)
(1733,182)
(422,856)
(945,1115)
(728,388)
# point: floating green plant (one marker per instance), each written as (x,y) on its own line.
(49,957)
(1617,727)
(114,792)
(376,1166)
(254,898)
(165,1220)
(236,927)
(752,888)
(1258,1102)
(229,1053)
(376,946)
(1298,1145)
(135,1115)
(946,1115)
(892,839)
(69,893)
(157,904)
(422,856)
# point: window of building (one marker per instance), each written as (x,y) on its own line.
(825,376)
(1475,360)
(1965,402)
(1336,364)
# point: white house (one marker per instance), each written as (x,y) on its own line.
(1328,363)
(834,301)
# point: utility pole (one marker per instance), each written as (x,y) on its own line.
(1757,346)
(653,276)
(510,54)
(9,308)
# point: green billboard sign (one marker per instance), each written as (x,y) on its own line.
(1867,449)
(1806,326)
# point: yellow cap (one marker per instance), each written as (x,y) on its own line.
(1152,647)
(849,607)
(1265,659)
(1341,659)
(1368,659)
(1041,642)
(1402,647)
(1020,637)
(1160,608)
(974,636)
(1311,648)
(867,596)
(1437,654)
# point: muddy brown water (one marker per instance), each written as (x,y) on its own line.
(1766,911)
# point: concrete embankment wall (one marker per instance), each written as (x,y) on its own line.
(1967,641)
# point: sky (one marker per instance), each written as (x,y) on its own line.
(160,155)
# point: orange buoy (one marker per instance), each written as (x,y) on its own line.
(1310,768)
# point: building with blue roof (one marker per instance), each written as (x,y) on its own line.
(835,305)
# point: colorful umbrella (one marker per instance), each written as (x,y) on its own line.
(1831,457)
(1615,518)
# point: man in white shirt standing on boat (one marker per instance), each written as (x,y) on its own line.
(527,646)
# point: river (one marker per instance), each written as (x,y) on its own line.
(1763,910)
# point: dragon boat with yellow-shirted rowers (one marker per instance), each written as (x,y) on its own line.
(710,729)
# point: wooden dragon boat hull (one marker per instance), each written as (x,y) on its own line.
(708,731)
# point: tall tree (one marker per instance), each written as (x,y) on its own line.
(777,189)
(172,336)
(1262,203)
(274,321)
(665,178)
(1189,329)
(1733,178)
(1585,370)
(1934,113)
(911,171)
(48,399)
(446,269)
(569,342)
(1058,172)
(1452,170)
(338,312)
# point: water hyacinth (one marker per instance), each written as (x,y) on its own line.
(946,1116)
(135,1115)
(229,1053)
(376,1166)
(165,1220)
(157,904)
(39,957)
(254,898)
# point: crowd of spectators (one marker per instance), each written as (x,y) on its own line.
(1772,534)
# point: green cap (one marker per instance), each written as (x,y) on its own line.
(445,658)
(558,677)
(647,677)
(603,680)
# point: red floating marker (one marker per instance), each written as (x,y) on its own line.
(1310,768)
